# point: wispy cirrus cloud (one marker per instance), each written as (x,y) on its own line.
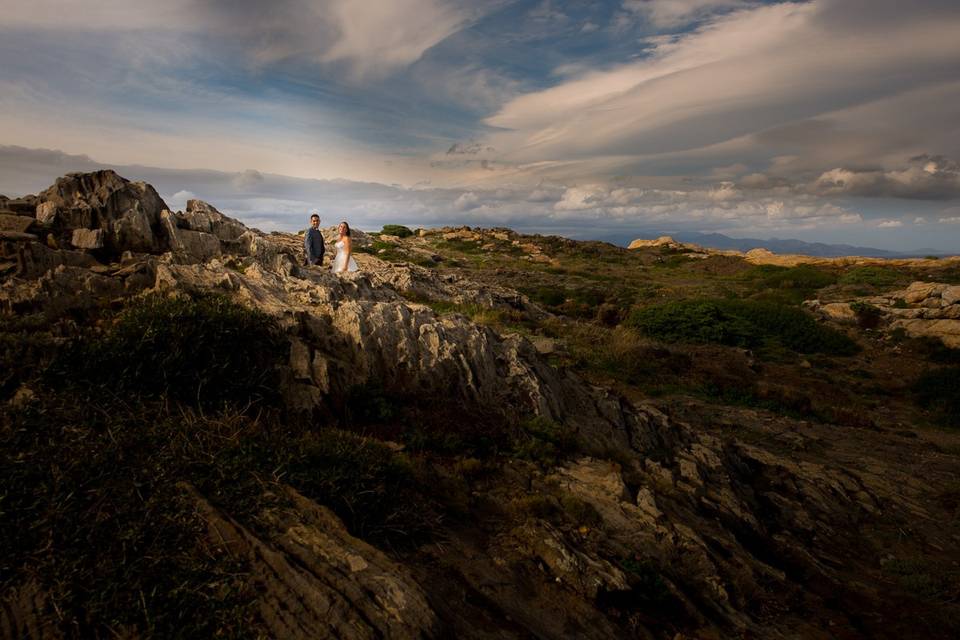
(370,40)
(753,70)
(674,13)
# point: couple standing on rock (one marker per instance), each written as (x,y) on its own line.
(314,248)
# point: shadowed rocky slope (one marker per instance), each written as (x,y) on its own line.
(647,526)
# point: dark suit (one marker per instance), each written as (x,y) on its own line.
(313,246)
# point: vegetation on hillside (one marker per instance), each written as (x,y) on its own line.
(171,391)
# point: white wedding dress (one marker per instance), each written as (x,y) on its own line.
(338,259)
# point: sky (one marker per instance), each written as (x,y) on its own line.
(822,120)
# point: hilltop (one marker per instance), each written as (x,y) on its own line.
(481,434)
(722,242)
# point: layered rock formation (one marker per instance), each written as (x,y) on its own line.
(742,540)
(923,309)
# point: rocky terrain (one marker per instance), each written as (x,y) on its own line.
(764,256)
(430,454)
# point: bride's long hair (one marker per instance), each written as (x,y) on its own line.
(346,230)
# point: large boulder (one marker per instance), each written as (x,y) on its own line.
(15,223)
(204,217)
(127,212)
(196,246)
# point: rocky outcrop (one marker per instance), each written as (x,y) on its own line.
(923,309)
(662,241)
(315,580)
(127,212)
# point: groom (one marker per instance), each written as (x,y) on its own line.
(313,241)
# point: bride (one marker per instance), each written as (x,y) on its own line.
(343,261)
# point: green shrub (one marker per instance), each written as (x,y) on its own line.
(624,355)
(938,390)
(372,488)
(874,276)
(544,441)
(581,512)
(740,323)
(396,230)
(202,350)
(934,350)
(802,277)
(23,345)
(549,296)
(370,403)
(868,316)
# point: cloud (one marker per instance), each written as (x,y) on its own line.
(924,177)
(283,202)
(732,88)
(889,224)
(466,201)
(98,15)
(376,38)
(674,13)
(248,179)
(929,178)
(950,220)
(368,40)
(178,201)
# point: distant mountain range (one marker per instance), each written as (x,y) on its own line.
(778,245)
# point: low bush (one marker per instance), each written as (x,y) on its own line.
(740,323)
(868,316)
(788,285)
(202,350)
(548,296)
(878,277)
(374,490)
(802,277)
(396,230)
(934,350)
(937,390)
(623,355)
(544,441)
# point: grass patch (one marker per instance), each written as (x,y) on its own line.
(203,350)
(740,323)
(461,246)
(623,355)
(925,579)
(877,277)
(789,285)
